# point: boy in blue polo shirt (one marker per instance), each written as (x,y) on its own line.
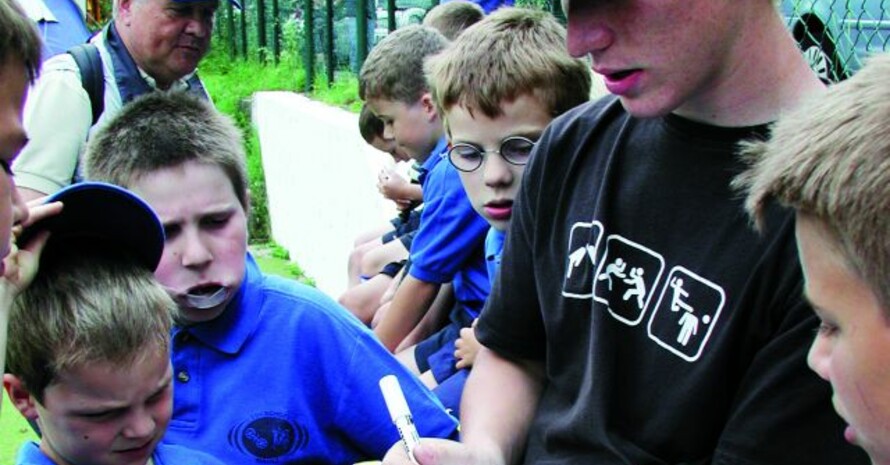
(265,369)
(89,339)
(449,241)
(523,79)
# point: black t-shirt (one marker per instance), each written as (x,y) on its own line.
(672,333)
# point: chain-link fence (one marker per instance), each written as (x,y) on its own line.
(834,35)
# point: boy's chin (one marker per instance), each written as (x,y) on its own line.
(190,316)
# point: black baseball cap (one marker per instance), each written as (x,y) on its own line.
(107,214)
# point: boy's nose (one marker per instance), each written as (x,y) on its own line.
(141,425)
(818,358)
(496,171)
(195,252)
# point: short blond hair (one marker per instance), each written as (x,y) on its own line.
(89,303)
(511,53)
(394,68)
(830,158)
(452,18)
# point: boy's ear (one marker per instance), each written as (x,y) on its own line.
(21,398)
(428,105)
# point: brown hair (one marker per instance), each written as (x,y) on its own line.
(452,18)
(163,130)
(512,52)
(18,38)
(394,68)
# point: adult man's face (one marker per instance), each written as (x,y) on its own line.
(166,38)
(660,56)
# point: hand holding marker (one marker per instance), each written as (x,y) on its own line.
(401,416)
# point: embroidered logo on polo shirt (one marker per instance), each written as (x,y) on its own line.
(268,435)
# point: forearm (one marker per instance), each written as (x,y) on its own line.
(411,301)
(495,421)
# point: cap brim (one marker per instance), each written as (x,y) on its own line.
(108,214)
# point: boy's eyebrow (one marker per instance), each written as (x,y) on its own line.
(109,406)
(530,134)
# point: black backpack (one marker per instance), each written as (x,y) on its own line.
(92,76)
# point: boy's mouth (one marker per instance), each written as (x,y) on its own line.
(205,296)
(500,210)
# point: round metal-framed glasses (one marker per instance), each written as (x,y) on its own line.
(515,150)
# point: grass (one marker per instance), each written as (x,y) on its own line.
(14,431)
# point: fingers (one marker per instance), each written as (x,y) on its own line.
(39,211)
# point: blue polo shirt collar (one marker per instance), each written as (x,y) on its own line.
(439,152)
(230,331)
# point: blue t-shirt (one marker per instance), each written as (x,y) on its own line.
(494,246)
(165,454)
(449,242)
(285,375)
(489,5)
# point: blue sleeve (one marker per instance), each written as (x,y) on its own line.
(450,230)
(363,411)
(169,454)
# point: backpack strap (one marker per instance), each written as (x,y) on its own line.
(91,75)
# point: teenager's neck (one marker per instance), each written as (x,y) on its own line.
(764,76)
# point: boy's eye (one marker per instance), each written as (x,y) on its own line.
(465,157)
(101,415)
(171,231)
(216,221)
(826,329)
(467,152)
(160,395)
(517,150)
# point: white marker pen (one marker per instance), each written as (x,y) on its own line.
(401,415)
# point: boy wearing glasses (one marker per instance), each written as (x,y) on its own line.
(497,87)
(448,244)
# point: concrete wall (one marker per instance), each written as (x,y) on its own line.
(321,181)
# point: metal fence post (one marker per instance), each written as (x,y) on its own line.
(329,42)
(262,44)
(361,32)
(276,31)
(556,9)
(390,15)
(230,29)
(243,21)
(309,41)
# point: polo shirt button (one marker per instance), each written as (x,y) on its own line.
(183,376)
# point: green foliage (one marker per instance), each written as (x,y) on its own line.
(342,93)
(15,431)
(231,83)
(275,259)
(539,4)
